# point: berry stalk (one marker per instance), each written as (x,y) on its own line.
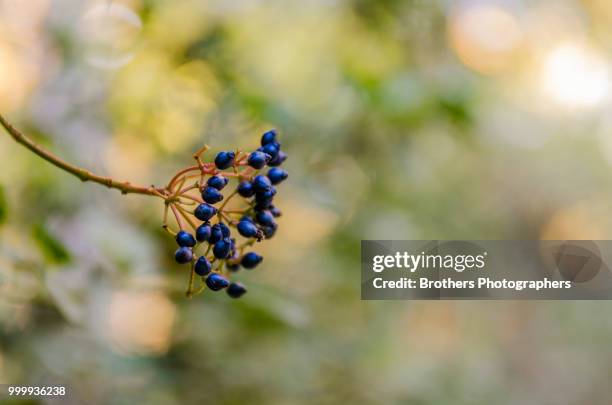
(83,174)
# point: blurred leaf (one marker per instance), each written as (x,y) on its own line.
(53,249)
(3,206)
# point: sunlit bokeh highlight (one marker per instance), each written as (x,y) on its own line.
(575,76)
(485,37)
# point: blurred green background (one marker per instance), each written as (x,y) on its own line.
(402,119)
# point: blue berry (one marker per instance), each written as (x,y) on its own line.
(263,205)
(232,248)
(268,137)
(185,239)
(202,266)
(204,212)
(266,194)
(247,218)
(247,229)
(203,232)
(216,282)
(225,231)
(277,175)
(269,231)
(222,248)
(218,182)
(245,189)
(265,218)
(251,260)
(261,184)
(278,159)
(258,160)
(224,160)
(183,255)
(216,234)
(211,195)
(236,290)
(271,149)
(275,211)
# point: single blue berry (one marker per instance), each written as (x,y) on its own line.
(278,159)
(216,282)
(203,232)
(232,253)
(211,195)
(266,194)
(247,218)
(247,229)
(236,290)
(245,189)
(225,231)
(218,182)
(204,212)
(275,211)
(222,248)
(202,266)
(271,149)
(216,233)
(262,205)
(258,160)
(183,255)
(265,218)
(251,260)
(268,137)
(185,239)
(261,184)
(269,230)
(224,160)
(276,175)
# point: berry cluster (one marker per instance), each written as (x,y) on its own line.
(211,218)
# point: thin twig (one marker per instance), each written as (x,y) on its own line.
(83,174)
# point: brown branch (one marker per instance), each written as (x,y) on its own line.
(83,174)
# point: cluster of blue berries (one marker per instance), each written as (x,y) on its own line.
(255,221)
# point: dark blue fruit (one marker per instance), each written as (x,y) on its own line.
(245,189)
(275,211)
(218,182)
(202,266)
(203,232)
(263,204)
(247,218)
(276,175)
(266,194)
(271,149)
(183,255)
(265,218)
(278,159)
(204,212)
(258,160)
(224,160)
(261,184)
(185,239)
(268,137)
(216,282)
(222,249)
(236,290)
(247,229)
(251,260)
(225,231)
(216,234)
(269,231)
(211,195)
